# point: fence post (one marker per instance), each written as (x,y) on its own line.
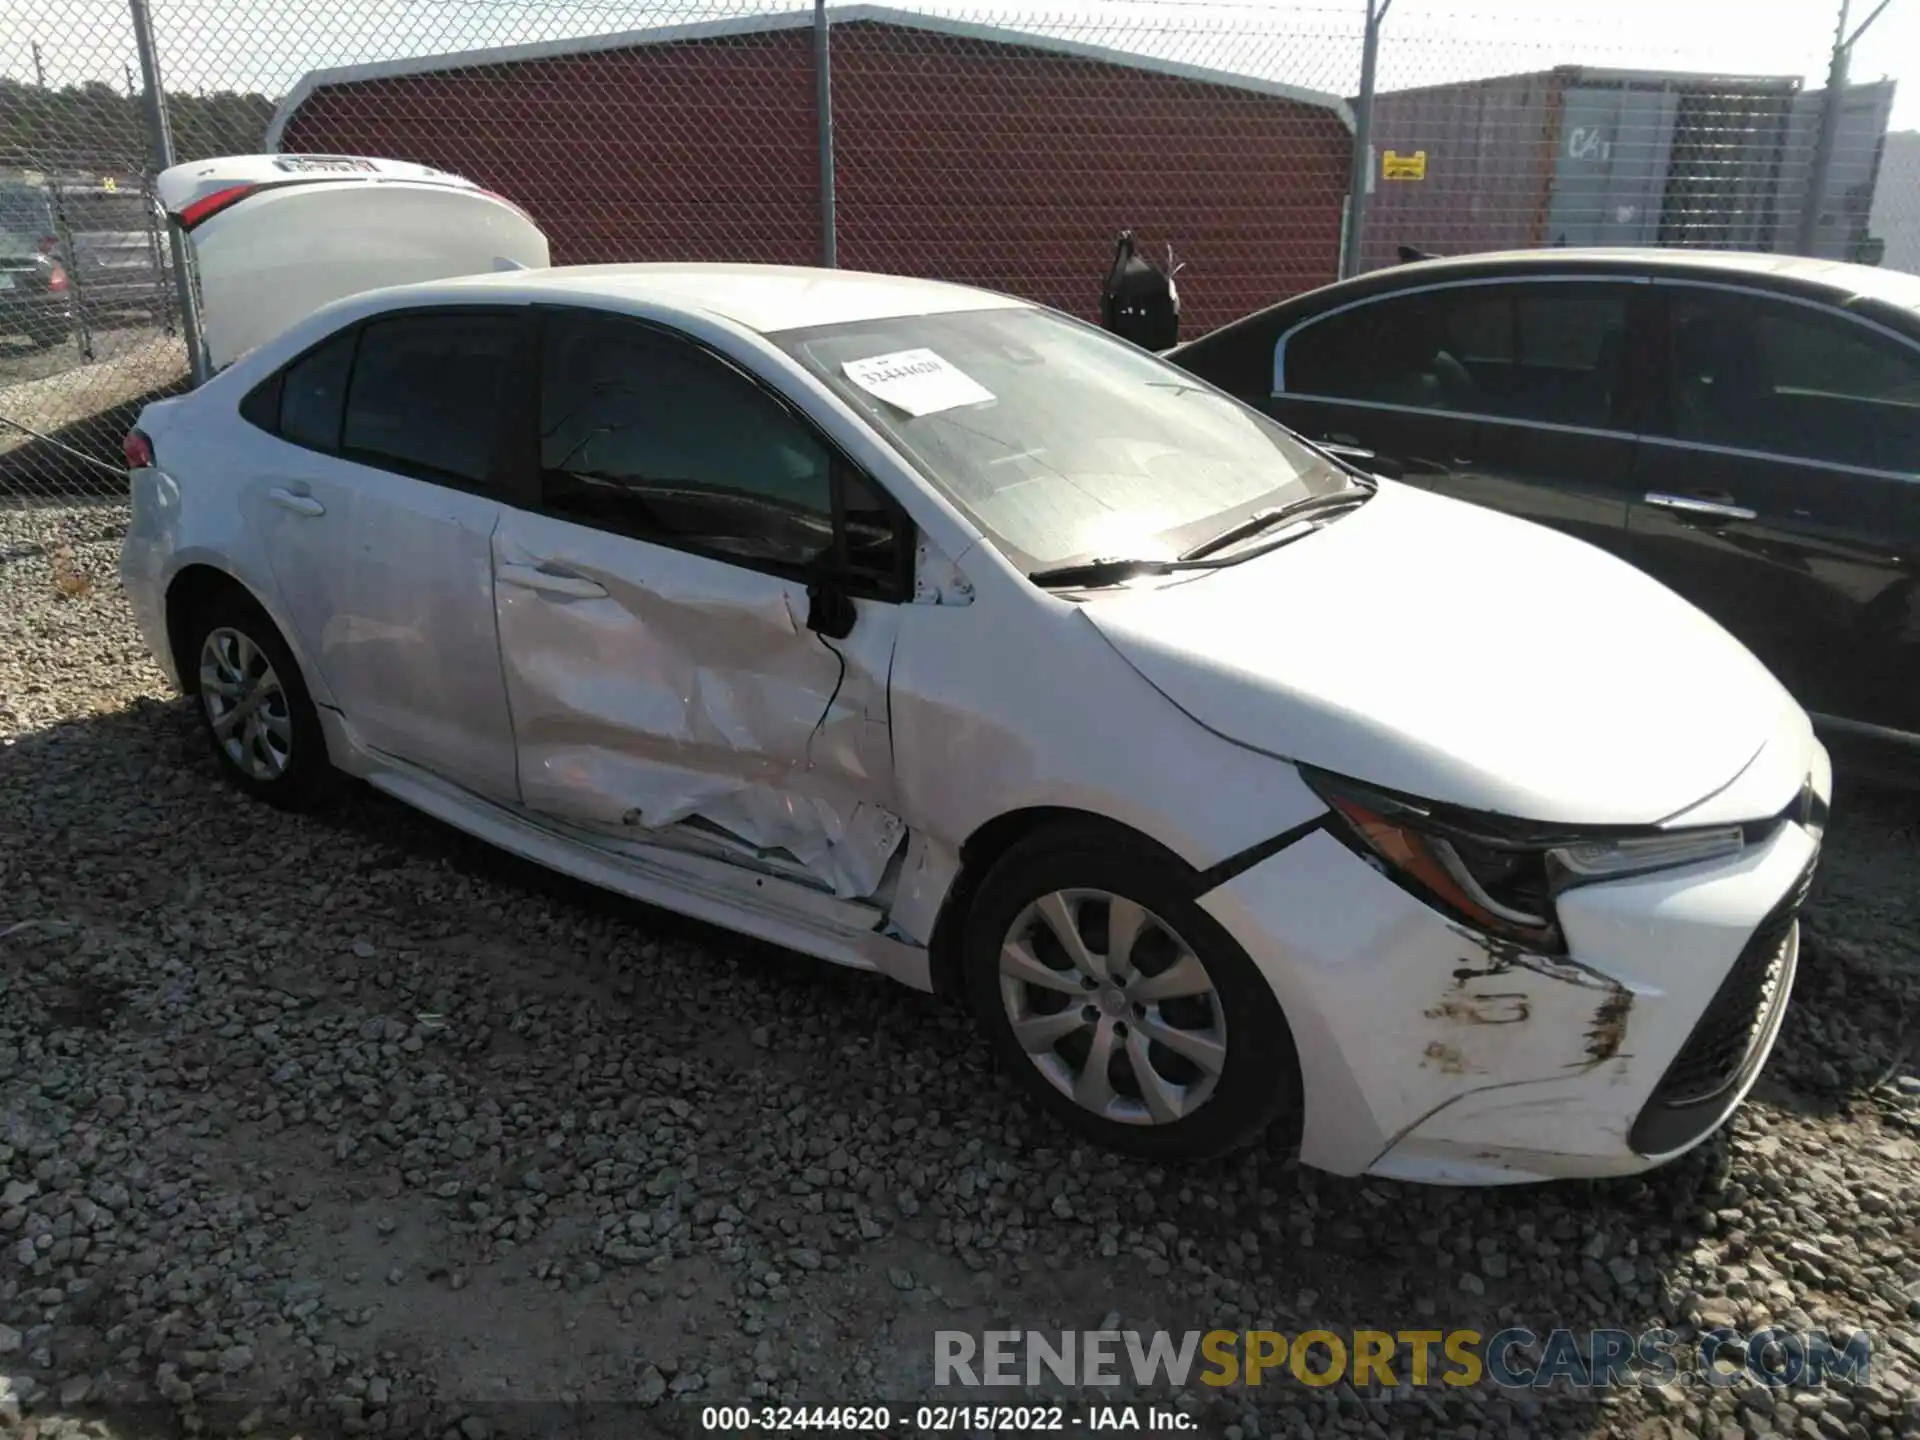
(1832,104)
(1824,139)
(1360,179)
(823,105)
(161,135)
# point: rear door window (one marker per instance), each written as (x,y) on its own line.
(1753,372)
(313,394)
(1542,352)
(427,393)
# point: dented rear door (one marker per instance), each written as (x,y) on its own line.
(654,612)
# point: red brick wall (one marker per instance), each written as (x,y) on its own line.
(1014,169)
(993,164)
(703,150)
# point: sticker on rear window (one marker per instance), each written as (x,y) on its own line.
(916,381)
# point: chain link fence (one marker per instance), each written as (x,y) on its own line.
(994,145)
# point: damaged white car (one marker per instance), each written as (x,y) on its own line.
(929,632)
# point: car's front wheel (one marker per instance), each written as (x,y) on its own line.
(1119,1004)
(254,706)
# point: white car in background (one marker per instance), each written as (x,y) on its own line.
(930,632)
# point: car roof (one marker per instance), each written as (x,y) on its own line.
(1889,285)
(766,298)
(1888,295)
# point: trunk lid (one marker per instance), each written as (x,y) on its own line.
(275,237)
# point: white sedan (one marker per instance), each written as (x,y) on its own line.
(930,632)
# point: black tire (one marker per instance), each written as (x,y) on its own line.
(1258,1085)
(305,777)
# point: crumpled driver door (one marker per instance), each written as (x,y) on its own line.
(650,687)
(671,683)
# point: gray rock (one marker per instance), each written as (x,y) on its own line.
(652,1386)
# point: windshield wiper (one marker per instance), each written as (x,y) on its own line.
(1266,519)
(1092,574)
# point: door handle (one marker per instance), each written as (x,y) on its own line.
(1702,508)
(298,504)
(530,577)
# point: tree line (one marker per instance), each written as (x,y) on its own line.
(96,129)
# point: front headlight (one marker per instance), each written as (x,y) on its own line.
(1498,874)
(1636,855)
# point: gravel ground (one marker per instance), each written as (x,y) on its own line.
(349,1121)
(114,337)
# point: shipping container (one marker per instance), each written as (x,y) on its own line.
(1582,156)
(1845,228)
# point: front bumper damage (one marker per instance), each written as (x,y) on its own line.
(1430,1052)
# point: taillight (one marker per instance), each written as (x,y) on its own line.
(207,206)
(138,449)
(57,280)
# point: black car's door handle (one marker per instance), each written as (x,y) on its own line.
(1706,506)
(1346,450)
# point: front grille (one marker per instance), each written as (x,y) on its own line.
(1713,1054)
(1716,1054)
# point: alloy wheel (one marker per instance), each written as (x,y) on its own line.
(246,704)
(1113,1007)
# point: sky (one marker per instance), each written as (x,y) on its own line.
(268,44)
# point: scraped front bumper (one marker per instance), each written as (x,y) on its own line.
(1429,1052)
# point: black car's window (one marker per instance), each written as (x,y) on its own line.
(647,435)
(313,394)
(1547,352)
(427,391)
(1751,372)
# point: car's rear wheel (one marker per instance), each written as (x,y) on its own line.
(254,706)
(1119,1004)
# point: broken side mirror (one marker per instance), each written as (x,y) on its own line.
(830,610)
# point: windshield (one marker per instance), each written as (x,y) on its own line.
(1058,440)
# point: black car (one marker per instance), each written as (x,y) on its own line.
(1745,428)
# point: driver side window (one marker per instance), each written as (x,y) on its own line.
(647,435)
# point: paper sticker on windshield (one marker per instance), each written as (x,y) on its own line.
(916,381)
